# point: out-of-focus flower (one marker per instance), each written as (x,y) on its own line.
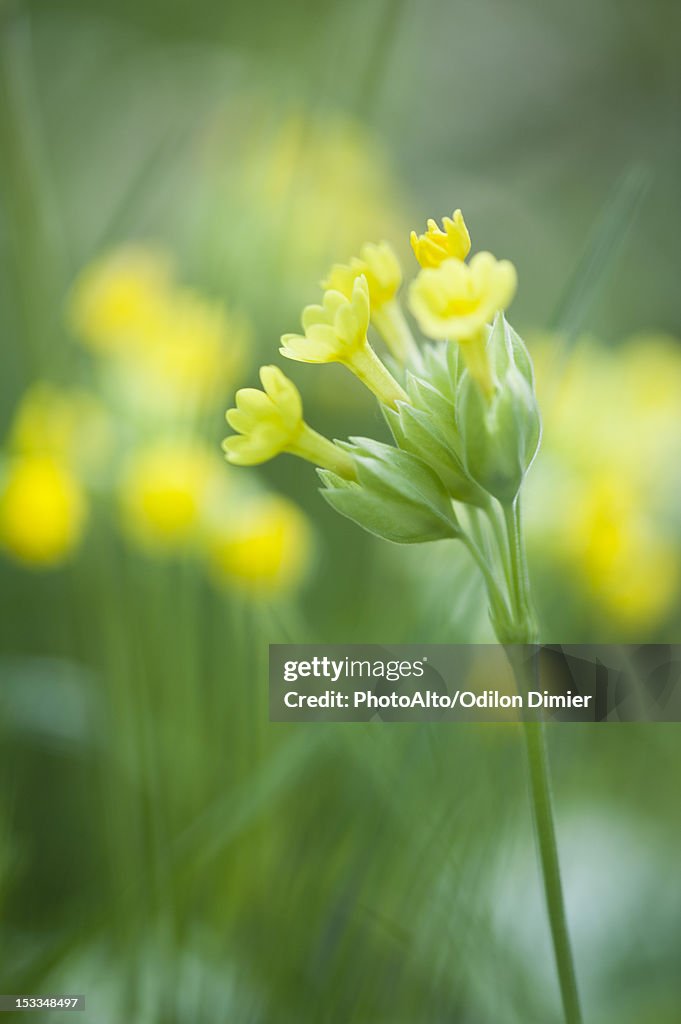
(263,547)
(336,332)
(171,351)
(628,564)
(293,172)
(270,422)
(71,426)
(201,351)
(120,301)
(164,491)
(435,246)
(603,498)
(43,510)
(380,266)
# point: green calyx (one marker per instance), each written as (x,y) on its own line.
(397,496)
(500,434)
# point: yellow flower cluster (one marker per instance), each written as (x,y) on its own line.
(175,500)
(451,300)
(171,352)
(603,498)
(172,348)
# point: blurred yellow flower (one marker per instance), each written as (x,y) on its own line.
(42,510)
(602,499)
(435,246)
(172,351)
(119,302)
(629,566)
(270,422)
(70,425)
(455,300)
(336,332)
(163,493)
(263,548)
(304,184)
(200,352)
(380,267)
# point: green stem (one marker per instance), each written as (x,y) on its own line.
(540,785)
(366,365)
(391,324)
(517,576)
(494,593)
(538,768)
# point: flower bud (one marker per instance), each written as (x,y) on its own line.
(500,432)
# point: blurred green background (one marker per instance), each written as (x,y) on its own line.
(175,179)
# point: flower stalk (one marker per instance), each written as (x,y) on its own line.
(523,657)
(466,428)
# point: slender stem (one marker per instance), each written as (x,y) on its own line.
(319,450)
(499,533)
(366,365)
(390,322)
(517,576)
(540,785)
(495,595)
(538,768)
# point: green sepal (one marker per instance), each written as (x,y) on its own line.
(501,433)
(397,496)
(443,368)
(417,433)
(424,396)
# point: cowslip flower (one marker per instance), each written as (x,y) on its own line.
(263,548)
(381,268)
(435,245)
(162,493)
(69,425)
(43,510)
(456,301)
(336,332)
(270,422)
(201,348)
(119,302)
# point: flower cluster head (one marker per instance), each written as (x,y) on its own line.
(460,405)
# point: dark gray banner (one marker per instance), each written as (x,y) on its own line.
(475,683)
